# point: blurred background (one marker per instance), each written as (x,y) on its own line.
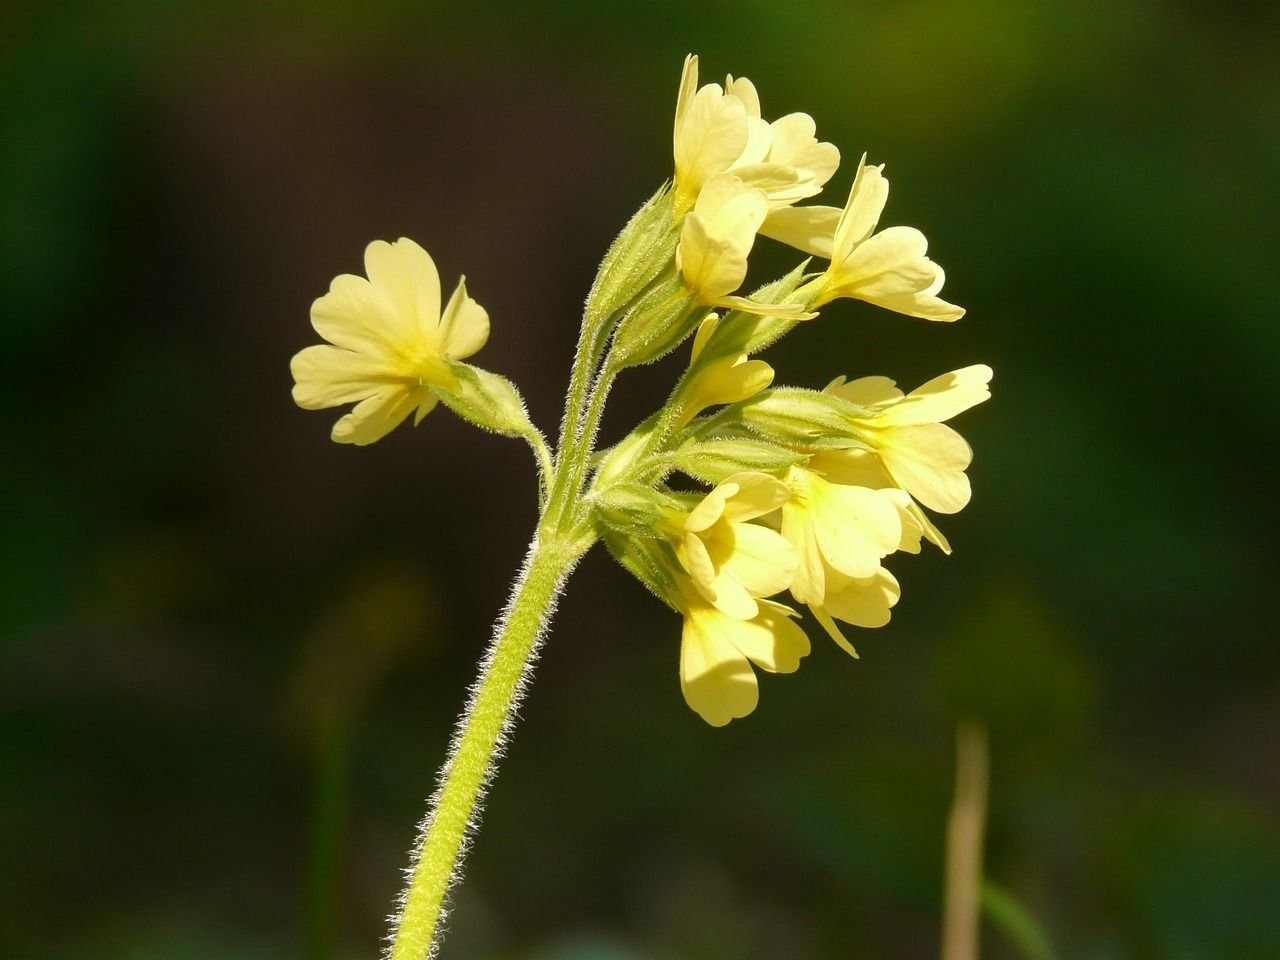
(231,651)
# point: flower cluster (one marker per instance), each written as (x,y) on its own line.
(805,493)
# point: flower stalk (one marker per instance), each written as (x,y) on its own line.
(478,742)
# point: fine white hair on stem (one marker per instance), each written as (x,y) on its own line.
(543,615)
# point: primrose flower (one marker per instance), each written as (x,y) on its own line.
(389,345)
(863,468)
(888,268)
(730,561)
(720,130)
(716,238)
(924,457)
(728,380)
(717,651)
(840,534)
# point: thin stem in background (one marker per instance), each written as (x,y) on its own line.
(328,818)
(965,830)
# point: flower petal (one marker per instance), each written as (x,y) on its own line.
(869,392)
(709,137)
(833,630)
(754,495)
(808,580)
(327,376)
(855,527)
(464,327)
(406,275)
(711,508)
(809,229)
(867,197)
(928,460)
(941,398)
(864,602)
(717,236)
(762,560)
(716,679)
(355,315)
(772,641)
(374,418)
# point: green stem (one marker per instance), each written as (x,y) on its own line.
(478,741)
(569,450)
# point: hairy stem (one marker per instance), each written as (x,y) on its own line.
(478,742)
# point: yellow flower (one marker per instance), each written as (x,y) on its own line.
(717,236)
(728,380)
(730,561)
(862,468)
(717,651)
(924,457)
(389,345)
(720,130)
(888,268)
(840,534)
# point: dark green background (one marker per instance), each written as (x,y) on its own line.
(232,650)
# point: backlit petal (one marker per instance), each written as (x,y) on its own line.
(716,679)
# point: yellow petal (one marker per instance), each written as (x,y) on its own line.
(696,558)
(891,271)
(855,527)
(374,418)
(710,136)
(705,329)
(867,197)
(758,139)
(808,580)
(854,468)
(762,560)
(464,327)
(941,398)
(754,494)
(716,679)
(928,461)
(868,392)
(809,229)
(833,630)
(772,641)
(718,235)
(406,275)
(780,183)
(688,87)
(730,597)
(724,381)
(711,507)
(864,602)
(327,376)
(795,144)
(355,316)
(744,90)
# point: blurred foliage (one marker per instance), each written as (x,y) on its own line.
(231,653)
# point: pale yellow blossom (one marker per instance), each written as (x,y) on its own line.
(923,456)
(888,268)
(718,650)
(720,130)
(731,561)
(840,534)
(389,344)
(728,380)
(717,237)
